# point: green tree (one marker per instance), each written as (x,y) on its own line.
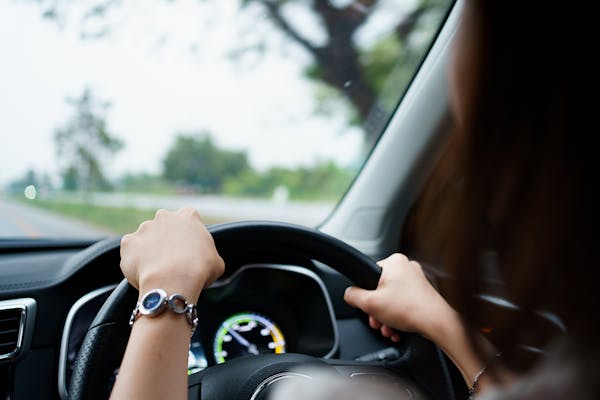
(41,181)
(70,179)
(144,182)
(195,161)
(84,143)
(323,181)
(29,178)
(338,62)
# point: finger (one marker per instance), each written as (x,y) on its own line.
(144,226)
(390,333)
(373,323)
(387,331)
(126,239)
(396,258)
(161,212)
(189,211)
(357,297)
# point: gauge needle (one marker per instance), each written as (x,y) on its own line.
(251,347)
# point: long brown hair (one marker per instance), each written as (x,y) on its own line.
(515,184)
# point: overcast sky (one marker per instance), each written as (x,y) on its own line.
(165,68)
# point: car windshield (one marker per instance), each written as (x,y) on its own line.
(244,109)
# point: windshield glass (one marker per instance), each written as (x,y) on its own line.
(244,109)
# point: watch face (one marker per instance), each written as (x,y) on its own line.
(152,300)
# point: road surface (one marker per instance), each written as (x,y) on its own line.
(18,220)
(216,207)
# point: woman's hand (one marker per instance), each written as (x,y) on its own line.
(174,251)
(404,300)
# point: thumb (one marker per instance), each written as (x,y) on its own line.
(357,297)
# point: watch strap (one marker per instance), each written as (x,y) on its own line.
(177,303)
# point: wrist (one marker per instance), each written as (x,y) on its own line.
(156,302)
(452,337)
(187,285)
(444,326)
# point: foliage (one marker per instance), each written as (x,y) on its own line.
(358,74)
(84,143)
(338,62)
(146,183)
(379,62)
(71,179)
(116,220)
(41,181)
(324,181)
(368,76)
(195,161)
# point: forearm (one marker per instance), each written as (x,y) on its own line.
(173,252)
(155,362)
(451,336)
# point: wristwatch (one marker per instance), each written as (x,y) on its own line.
(155,302)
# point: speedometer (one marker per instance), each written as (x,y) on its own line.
(247,334)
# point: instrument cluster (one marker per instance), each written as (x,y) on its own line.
(258,309)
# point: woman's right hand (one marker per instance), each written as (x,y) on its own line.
(404,299)
(174,251)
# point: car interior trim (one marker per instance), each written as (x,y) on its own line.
(72,314)
(501,302)
(274,379)
(371,214)
(64,344)
(25,332)
(299,270)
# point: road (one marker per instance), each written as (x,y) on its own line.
(19,220)
(217,207)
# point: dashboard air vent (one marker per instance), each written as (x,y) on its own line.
(16,317)
(10,331)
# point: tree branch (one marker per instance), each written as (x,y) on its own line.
(345,20)
(275,12)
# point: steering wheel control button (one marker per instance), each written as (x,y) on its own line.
(379,379)
(387,354)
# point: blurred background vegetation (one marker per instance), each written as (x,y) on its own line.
(369,79)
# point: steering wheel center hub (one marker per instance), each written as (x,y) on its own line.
(266,387)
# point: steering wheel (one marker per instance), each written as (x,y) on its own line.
(240,244)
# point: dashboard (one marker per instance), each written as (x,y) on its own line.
(262,308)
(258,308)
(292,305)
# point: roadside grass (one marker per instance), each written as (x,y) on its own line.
(117,220)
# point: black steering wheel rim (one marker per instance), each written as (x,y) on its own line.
(238,243)
(255,242)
